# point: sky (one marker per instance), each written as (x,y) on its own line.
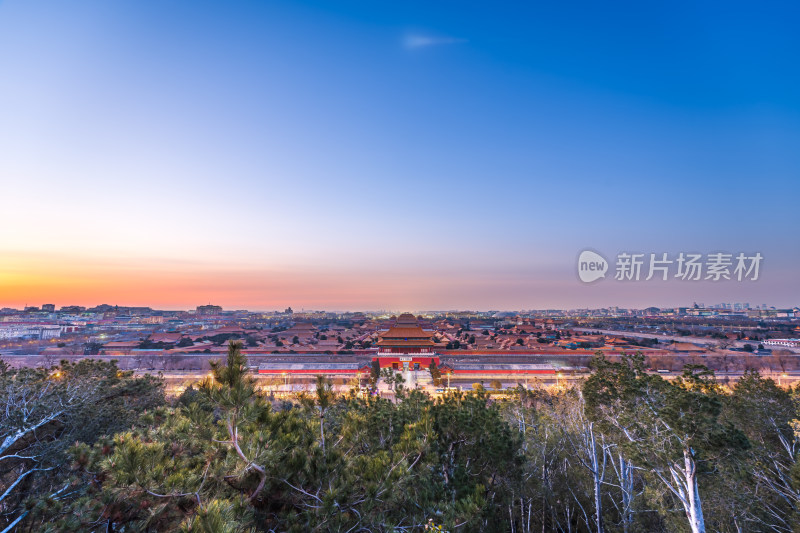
(393,155)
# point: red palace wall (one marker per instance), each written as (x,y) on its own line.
(386,361)
(315,371)
(387,349)
(505,372)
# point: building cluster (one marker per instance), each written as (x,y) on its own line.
(458,343)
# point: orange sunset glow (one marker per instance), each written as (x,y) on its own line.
(135,282)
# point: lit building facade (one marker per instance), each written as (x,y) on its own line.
(406,346)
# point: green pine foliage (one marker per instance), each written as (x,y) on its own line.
(45,412)
(610,455)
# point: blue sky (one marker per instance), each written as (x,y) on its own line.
(444,154)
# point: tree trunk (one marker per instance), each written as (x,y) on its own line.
(695,510)
(322,431)
(598,502)
(626,483)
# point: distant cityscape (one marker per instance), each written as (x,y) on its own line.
(469,346)
(103,322)
(47,322)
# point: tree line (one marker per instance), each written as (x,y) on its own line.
(87,447)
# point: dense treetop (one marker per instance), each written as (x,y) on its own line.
(86,447)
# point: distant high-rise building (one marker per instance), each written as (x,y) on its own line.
(73,309)
(49,308)
(209,309)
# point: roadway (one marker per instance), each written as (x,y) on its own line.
(177,381)
(707,341)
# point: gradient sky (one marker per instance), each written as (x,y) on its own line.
(392,155)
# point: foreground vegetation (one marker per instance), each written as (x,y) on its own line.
(86,447)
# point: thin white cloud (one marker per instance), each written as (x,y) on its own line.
(418,41)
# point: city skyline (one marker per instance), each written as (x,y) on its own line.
(409,156)
(76,308)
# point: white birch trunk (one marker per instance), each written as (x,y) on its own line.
(626,484)
(596,469)
(695,508)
